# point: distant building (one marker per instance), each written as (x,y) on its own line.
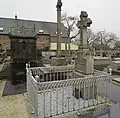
(46,33)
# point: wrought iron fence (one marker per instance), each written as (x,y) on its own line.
(60,90)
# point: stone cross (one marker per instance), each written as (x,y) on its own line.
(82,25)
(58,6)
(84,63)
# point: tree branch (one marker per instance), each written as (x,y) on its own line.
(74,36)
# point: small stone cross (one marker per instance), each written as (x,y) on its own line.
(82,24)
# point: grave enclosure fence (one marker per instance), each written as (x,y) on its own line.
(56,91)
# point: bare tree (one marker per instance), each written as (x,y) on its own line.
(70,25)
(105,40)
(117,45)
(91,39)
(100,40)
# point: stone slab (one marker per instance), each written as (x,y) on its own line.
(116,59)
(58,61)
(10,89)
(84,64)
(115,65)
(102,60)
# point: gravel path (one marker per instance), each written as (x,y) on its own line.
(13,107)
(113,91)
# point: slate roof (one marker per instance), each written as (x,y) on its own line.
(47,27)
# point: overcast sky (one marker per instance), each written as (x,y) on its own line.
(104,13)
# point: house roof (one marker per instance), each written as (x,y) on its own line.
(47,27)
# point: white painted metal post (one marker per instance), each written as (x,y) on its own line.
(28,64)
(110,71)
(37,78)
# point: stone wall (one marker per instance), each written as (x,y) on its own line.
(4,42)
(43,42)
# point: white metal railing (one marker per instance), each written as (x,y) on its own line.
(59,90)
(32,91)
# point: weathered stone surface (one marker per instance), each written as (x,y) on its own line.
(58,61)
(84,64)
(98,60)
(102,62)
(116,59)
(115,65)
(58,6)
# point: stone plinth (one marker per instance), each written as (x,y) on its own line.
(68,60)
(116,59)
(58,61)
(102,60)
(84,64)
(115,65)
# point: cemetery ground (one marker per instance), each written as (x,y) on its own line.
(14,106)
(18,106)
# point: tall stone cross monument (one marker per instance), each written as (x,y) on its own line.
(84,62)
(58,60)
(58,6)
(82,25)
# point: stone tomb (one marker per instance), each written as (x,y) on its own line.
(58,61)
(101,62)
(84,63)
(61,73)
(75,91)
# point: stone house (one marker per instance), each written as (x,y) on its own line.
(46,32)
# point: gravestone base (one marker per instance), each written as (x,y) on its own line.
(58,61)
(84,63)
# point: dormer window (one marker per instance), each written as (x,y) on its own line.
(1,29)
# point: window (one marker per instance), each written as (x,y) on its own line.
(23,45)
(0,46)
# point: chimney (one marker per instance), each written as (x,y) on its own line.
(16,16)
